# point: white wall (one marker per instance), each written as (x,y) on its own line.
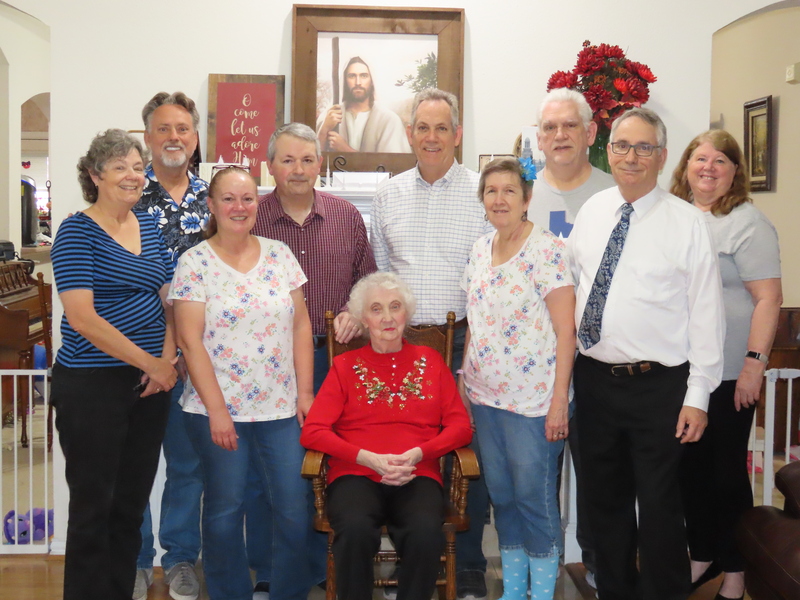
(25,44)
(749,61)
(109,58)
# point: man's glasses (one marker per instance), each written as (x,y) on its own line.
(642,150)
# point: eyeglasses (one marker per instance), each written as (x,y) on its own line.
(642,150)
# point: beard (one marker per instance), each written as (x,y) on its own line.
(174,160)
(349,96)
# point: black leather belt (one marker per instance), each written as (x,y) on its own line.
(628,369)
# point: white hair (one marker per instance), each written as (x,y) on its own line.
(389,281)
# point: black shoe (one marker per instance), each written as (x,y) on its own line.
(712,572)
(471,585)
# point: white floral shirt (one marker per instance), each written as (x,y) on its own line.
(511,360)
(248,329)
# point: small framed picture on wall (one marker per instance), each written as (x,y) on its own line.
(759,143)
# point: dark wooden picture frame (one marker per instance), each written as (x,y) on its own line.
(759,143)
(309,20)
(257,81)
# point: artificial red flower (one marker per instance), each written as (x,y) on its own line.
(621,85)
(562,79)
(588,62)
(608,51)
(642,71)
(599,98)
(638,91)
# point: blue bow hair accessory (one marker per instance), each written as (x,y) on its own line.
(528,168)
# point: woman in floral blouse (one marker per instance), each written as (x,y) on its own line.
(516,375)
(244,329)
(385,414)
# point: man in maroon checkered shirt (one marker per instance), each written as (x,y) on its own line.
(326,234)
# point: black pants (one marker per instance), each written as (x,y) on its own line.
(714,481)
(111,440)
(583,533)
(413,514)
(629,452)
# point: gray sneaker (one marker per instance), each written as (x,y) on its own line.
(144,579)
(182,581)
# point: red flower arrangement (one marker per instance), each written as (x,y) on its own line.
(611,85)
(610,82)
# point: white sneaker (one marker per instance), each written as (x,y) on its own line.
(144,579)
(590,580)
(183,582)
(261,591)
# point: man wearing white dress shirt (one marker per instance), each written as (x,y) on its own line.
(423,225)
(650,354)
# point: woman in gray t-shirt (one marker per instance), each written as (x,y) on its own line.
(712,175)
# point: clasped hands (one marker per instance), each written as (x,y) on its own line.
(395,469)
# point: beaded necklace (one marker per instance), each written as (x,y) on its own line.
(378,390)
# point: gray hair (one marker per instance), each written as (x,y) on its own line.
(178,99)
(297,130)
(109,145)
(389,281)
(568,95)
(432,95)
(649,117)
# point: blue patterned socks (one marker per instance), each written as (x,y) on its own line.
(544,572)
(515,574)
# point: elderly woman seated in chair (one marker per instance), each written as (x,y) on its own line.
(385,414)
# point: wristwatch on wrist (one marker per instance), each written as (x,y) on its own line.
(757,355)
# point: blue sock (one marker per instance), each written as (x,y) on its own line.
(544,572)
(515,574)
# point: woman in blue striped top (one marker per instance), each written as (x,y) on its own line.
(114,368)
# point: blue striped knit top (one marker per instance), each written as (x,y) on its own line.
(125,286)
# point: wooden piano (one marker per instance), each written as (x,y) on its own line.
(25,309)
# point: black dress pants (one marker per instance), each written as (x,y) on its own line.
(413,514)
(714,481)
(629,453)
(111,439)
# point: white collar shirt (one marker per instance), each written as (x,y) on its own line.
(665,299)
(424,233)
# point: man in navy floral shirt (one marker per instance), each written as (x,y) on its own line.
(177,200)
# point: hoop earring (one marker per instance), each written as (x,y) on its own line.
(485,216)
(524,216)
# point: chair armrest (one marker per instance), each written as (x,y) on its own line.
(787,480)
(468,462)
(312,464)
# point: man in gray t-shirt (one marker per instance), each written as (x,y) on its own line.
(566,130)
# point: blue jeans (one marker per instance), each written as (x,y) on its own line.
(275,448)
(521,470)
(469,543)
(179,533)
(258,512)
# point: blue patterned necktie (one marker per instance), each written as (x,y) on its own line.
(592,320)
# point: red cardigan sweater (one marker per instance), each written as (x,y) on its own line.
(418,406)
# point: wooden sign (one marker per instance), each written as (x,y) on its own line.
(243,112)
